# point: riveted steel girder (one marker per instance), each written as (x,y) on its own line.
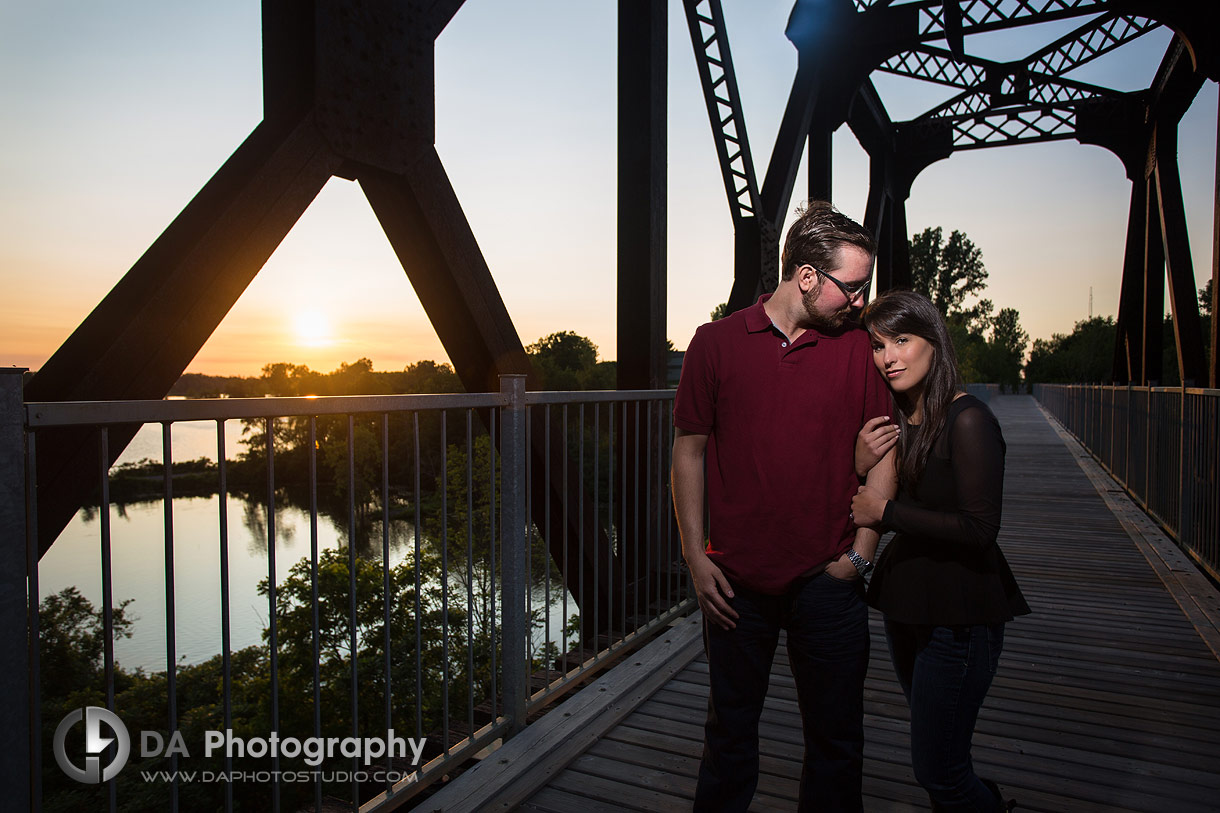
(1001,104)
(1157,242)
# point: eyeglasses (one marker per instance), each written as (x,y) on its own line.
(849,291)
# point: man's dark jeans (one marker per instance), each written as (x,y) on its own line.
(827,624)
(945,673)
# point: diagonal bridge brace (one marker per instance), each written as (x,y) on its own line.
(348,91)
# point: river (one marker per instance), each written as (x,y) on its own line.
(138,558)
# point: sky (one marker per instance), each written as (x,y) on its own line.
(117,113)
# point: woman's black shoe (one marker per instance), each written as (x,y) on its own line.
(1004,806)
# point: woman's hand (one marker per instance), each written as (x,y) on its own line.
(868,507)
(876,438)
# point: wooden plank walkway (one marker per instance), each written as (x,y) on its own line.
(1107,697)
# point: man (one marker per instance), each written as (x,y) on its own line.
(767,411)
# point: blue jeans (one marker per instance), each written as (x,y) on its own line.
(945,673)
(827,624)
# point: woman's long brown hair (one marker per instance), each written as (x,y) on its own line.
(897,313)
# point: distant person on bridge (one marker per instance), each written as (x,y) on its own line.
(942,582)
(767,412)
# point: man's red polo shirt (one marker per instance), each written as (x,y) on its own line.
(781,419)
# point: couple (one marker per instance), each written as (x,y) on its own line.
(781,408)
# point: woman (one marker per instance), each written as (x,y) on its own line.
(942,582)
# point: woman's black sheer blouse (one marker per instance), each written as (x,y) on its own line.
(944,567)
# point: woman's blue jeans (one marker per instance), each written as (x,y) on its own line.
(827,624)
(945,673)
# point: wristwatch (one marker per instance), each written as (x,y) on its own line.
(863,566)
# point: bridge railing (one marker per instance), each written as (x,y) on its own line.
(451,605)
(1162,445)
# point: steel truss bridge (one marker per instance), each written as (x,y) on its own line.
(349,91)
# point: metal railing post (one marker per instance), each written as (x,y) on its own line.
(512,546)
(1186,446)
(14,602)
(1127,440)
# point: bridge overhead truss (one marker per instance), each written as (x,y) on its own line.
(1030,100)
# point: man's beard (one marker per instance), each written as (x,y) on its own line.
(822,322)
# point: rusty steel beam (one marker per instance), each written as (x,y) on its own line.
(1125,368)
(1183,299)
(138,340)
(643,353)
(1153,300)
(1213,372)
(643,63)
(821,164)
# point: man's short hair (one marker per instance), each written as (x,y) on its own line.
(816,236)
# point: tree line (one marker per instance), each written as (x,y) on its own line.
(1085,356)
(991,345)
(563,360)
(992,348)
(442,622)
(442,637)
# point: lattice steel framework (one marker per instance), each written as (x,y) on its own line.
(1017,102)
(1030,100)
(715,63)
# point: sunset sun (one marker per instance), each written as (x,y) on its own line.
(312,328)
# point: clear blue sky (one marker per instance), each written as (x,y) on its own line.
(117,113)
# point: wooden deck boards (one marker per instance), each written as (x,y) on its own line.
(1107,698)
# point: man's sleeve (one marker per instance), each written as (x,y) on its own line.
(695,401)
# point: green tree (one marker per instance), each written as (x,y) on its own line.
(947,273)
(467,525)
(1007,333)
(469,522)
(990,347)
(72,635)
(1001,356)
(71,641)
(720,311)
(438,626)
(970,348)
(357,378)
(1207,314)
(565,360)
(430,377)
(1082,357)
(71,645)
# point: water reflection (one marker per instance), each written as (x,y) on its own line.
(138,570)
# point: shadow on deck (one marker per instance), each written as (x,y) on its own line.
(1107,697)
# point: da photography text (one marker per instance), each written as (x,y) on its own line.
(108,746)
